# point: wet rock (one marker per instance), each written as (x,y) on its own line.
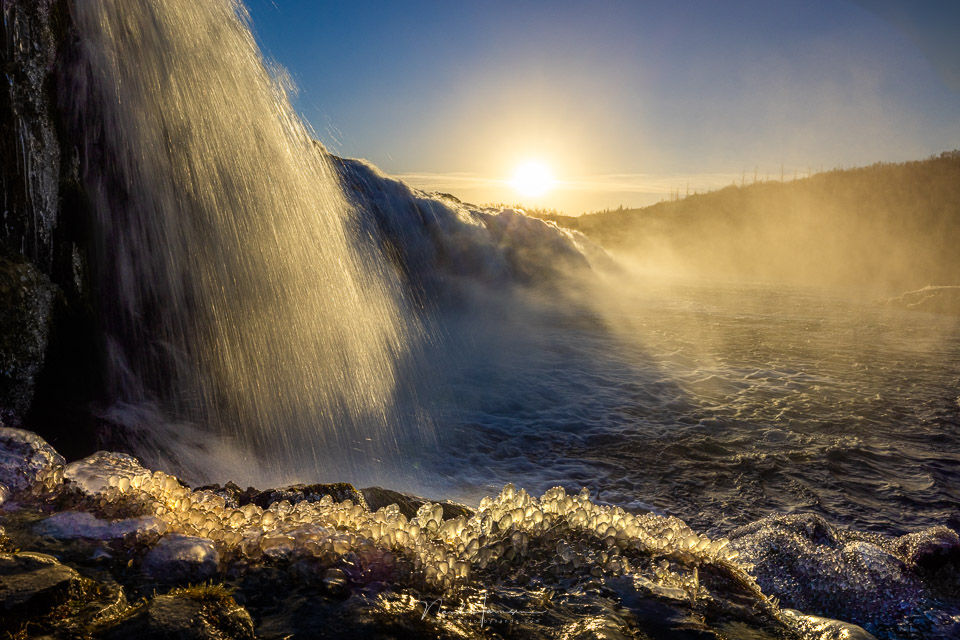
(232,494)
(382,617)
(378,497)
(27,464)
(179,558)
(30,151)
(32,584)
(293,494)
(26,306)
(188,614)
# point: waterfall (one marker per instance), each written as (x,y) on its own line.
(242,301)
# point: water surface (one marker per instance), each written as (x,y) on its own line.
(716,403)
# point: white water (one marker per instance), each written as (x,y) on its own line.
(238,293)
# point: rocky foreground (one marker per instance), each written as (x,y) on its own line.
(104,548)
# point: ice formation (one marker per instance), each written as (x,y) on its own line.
(27,464)
(72,525)
(179,557)
(892,587)
(557,535)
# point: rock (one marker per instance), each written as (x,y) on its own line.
(378,497)
(293,494)
(232,494)
(178,558)
(73,525)
(27,464)
(32,584)
(188,614)
(26,312)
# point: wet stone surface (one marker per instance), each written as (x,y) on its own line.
(26,314)
(32,584)
(185,616)
(378,497)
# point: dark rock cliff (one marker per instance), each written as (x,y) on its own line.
(49,369)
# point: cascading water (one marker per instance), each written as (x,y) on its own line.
(240,297)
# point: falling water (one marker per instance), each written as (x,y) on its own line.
(241,298)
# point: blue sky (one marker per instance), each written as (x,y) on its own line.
(623,101)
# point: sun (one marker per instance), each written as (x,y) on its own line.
(532,179)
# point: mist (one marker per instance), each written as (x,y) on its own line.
(883,228)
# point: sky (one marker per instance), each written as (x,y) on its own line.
(622,103)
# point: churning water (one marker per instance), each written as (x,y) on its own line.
(239,294)
(717,403)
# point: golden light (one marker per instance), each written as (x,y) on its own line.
(532,179)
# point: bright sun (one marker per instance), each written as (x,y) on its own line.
(532,179)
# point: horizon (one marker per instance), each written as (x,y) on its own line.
(621,104)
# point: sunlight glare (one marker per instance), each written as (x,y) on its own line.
(532,179)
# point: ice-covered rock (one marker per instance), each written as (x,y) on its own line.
(72,525)
(179,558)
(27,464)
(103,469)
(515,541)
(929,548)
(876,582)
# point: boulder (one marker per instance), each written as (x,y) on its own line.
(31,585)
(199,613)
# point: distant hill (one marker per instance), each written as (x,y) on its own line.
(887,225)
